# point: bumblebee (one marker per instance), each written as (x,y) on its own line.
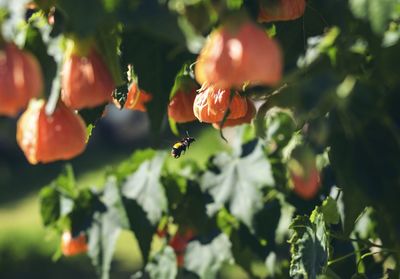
(181,146)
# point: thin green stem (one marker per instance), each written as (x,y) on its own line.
(345,256)
(365,242)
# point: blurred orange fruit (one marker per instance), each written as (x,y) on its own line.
(47,138)
(239,54)
(180,107)
(306,185)
(136,99)
(86,80)
(20,79)
(281,10)
(71,246)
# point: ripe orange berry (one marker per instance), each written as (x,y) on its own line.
(86,81)
(281,10)
(235,55)
(73,246)
(47,138)
(136,99)
(20,79)
(180,107)
(211,104)
(179,243)
(303,172)
(251,112)
(306,185)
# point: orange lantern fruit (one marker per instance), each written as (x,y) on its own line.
(306,186)
(183,93)
(303,172)
(135,99)
(71,246)
(180,107)
(211,104)
(251,112)
(86,80)
(20,79)
(281,10)
(179,243)
(47,138)
(239,54)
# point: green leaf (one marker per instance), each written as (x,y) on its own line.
(108,40)
(141,226)
(145,188)
(132,164)
(378,13)
(186,202)
(309,247)
(239,182)
(77,18)
(56,200)
(105,229)
(205,260)
(276,126)
(163,265)
(49,199)
(330,210)
(266,220)
(248,250)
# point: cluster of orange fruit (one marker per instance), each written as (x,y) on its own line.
(237,53)
(86,83)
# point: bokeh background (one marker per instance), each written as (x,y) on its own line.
(26,248)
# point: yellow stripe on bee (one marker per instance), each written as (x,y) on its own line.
(177,145)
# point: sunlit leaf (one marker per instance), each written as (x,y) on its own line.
(145,188)
(309,247)
(105,229)
(239,182)
(163,265)
(206,259)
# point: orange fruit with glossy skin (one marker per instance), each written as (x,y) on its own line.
(235,55)
(86,80)
(71,246)
(20,79)
(280,10)
(180,107)
(211,104)
(251,112)
(47,138)
(136,99)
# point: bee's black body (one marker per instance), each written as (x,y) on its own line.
(181,146)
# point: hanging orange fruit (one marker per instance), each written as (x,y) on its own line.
(239,53)
(307,185)
(179,243)
(211,104)
(280,10)
(47,138)
(180,107)
(86,80)
(135,99)
(71,246)
(304,173)
(251,112)
(20,79)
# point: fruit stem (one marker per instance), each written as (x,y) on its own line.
(78,46)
